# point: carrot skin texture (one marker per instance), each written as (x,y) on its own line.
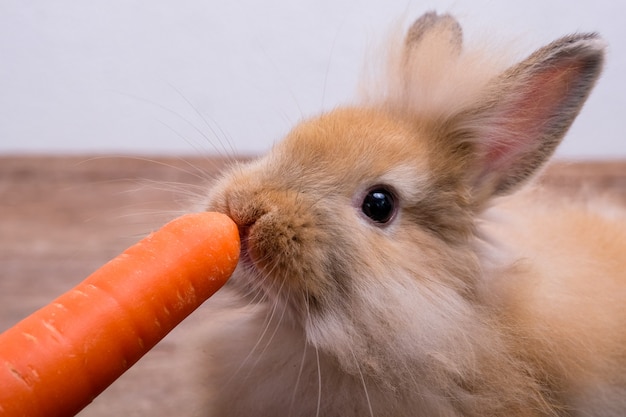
(58,359)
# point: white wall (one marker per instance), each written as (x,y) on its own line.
(134,76)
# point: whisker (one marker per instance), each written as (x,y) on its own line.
(196,147)
(285,84)
(255,290)
(317,360)
(223,151)
(297,383)
(198,174)
(269,319)
(271,336)
(367,396)
(209,125)
(244,362)
(330,55)
(319,382)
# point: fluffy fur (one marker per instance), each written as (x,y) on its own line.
(480,297)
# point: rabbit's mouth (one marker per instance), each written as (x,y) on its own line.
(272,270)
(244,254)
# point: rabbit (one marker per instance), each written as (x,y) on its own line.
(398,259)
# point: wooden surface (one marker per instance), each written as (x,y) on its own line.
(63,217)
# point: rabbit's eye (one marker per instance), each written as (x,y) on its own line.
(379,205)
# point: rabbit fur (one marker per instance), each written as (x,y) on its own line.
(481,295)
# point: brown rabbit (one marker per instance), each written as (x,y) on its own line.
(393,263)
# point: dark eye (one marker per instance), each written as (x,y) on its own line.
(379,205)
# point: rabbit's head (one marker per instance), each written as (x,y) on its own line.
(359,224)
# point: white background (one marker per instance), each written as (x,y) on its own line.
(193,76)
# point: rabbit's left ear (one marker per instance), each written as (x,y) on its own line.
(524,114)
(442,32)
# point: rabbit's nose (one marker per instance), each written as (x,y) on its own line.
(245,212)
(248,210)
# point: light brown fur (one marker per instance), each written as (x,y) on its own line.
(475,299)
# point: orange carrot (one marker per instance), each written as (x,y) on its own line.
(56,361)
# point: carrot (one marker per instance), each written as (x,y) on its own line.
(57,360)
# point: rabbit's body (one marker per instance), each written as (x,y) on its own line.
(388,269)
(560,292)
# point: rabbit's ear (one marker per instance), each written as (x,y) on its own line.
(525,113)
(441,32)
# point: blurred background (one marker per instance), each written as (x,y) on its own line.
(196,77)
